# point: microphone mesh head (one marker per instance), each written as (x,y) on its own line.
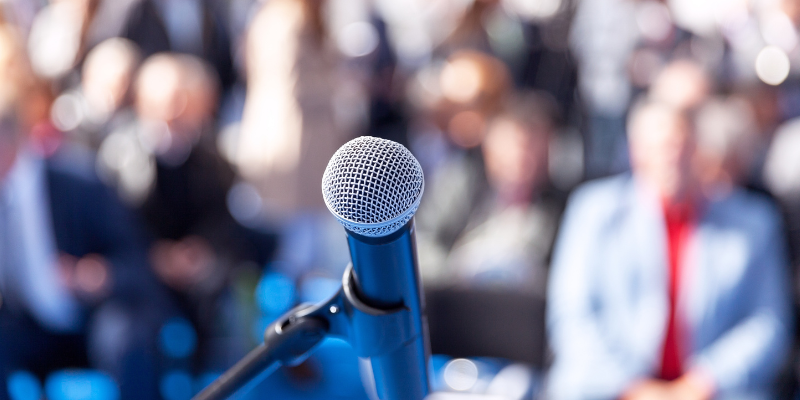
(372,186)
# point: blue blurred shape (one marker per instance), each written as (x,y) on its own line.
(259,326)
(176,385)
(339,365)
(275,293)
(204,380)
(317,289)
(178,338)
(81,385)
(23,385)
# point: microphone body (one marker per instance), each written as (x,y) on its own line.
(373,187)
(386,277)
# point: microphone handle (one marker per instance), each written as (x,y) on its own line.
(402,375)
(387,276)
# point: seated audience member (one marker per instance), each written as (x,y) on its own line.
(508,235)
(660,292)
(471,89)
(68,251)
(171,171)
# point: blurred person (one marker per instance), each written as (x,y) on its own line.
(302,104)
(73,261)
(164,162)
(507,238)
(100,104)
(660,292)
(456,105)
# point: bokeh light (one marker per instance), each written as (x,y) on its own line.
(461,81)
(653,20)
(512,382)
(339,367)
(460,374)
(316,289)
(244,203)
(92,275)
(176,385)
(772,65)
(23,385)
(534,9)
(275,293)
(81,385)
(782,169)
(66,112)
(178,338)
(357,39)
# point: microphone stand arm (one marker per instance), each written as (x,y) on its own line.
(292,337)
(287,341)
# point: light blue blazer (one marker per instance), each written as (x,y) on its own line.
(608,303)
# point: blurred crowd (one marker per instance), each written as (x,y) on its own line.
(612,202)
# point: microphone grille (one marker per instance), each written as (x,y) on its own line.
(372,186)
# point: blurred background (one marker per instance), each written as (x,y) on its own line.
(161,162)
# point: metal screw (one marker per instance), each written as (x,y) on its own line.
(333,309)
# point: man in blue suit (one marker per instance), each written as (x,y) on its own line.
(663,290)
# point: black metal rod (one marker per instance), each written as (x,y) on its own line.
(260,361)
(287,341)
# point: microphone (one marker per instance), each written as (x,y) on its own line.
(373,187)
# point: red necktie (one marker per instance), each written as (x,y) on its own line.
(679,221)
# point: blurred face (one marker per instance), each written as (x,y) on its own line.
(682,84)
(472,87)
(515,158)
(158,91)
(662,145)
(106,79)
